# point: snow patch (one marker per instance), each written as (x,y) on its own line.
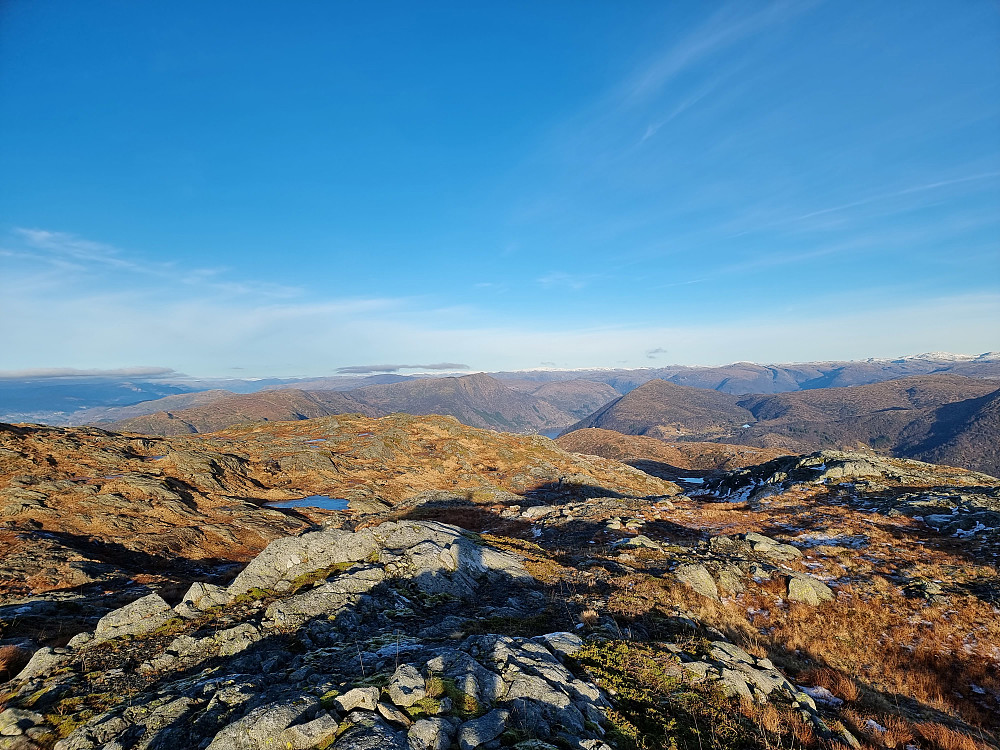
(821,695)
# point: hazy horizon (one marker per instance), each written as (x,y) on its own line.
(167,374)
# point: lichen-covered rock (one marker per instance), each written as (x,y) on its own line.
(366,698)
(473,734)
(141,616)
(809,590)
(430,734)
(199,598)
(698,578)
(367,731)
(406,686)
(265,728)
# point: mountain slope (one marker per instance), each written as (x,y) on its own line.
(665,460)
(476,400)
(265,406)
(909,418)
(665,410)
(99,414)
(940,418)
(578,398)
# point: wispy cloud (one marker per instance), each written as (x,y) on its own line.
(922,188)
(881,197)
(566,280)
(67,252)
(73,323)
(369,369)
(66,245)
(654,353)
(683,106)
(730,24)
(49,373)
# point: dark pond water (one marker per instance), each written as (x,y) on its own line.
(313,501)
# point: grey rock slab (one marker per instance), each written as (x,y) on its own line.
(698,578)
(393,714)
(16,721)
(642,542)
(767,681)
(734,684)
(538,511)
(430,734)
(80,639)
(534,688)
(808,590)
(234,640)
(455,664)
(285,559)
(326,599)
(406,686)
(44,661)
(367,731)
(199,598)
(366,698)
(731,579)
(729,652)
(562,643)
(260,728)
(485,729)
(141,616)
(699,669)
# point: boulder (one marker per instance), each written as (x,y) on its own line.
(366,698)
(406,686)
(141,616)
(261,728)
(367,731)
(44,661)
(473,734)
(430,734)
(200,597)
(698,578)
(808,590)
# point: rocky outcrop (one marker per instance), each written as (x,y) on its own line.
(248,686)
(835,468)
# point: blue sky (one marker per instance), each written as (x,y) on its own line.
(263,188)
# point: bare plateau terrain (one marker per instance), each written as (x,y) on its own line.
(484,589)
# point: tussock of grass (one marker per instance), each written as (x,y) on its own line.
(12,661)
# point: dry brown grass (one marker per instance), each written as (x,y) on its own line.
(898,732)
(946,738)
(772,722)
(864,645)
(12,661)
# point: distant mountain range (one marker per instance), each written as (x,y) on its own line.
(936,407)
(476,400)
(748,377)
(81,400)
(947,419)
